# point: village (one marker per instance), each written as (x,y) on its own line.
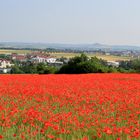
(7,61)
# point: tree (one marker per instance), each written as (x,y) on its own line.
(16,70)
(41,67)
(136,64)
(50,70)
(83,64)
(29,68)
(78,59)
(130,66)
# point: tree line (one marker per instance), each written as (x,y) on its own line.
(78,65)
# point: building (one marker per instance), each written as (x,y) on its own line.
(5,63)
(38,59)
(5,70)
(51,60)
(5,66)
(113,63)
(56,64)
(42,59)
(18,57)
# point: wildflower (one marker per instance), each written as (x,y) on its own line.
(50,136)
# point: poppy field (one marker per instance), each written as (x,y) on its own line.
(70,107)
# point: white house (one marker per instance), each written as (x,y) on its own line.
(113,63)
(43,59)
(5,63)
(38,59)
(5,70)
(51,60)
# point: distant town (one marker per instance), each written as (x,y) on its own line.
(57,57)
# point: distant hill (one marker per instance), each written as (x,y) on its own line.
(88,47)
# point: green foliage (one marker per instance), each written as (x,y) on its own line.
(31,68)
(78,65)
(4,56)
(40,68)
(78,59)
(136,65)
(130,66)
(50,70)
(16,70)
(83,64)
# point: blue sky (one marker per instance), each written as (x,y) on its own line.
(71,21)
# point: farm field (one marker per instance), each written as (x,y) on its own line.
(105,57)
(70,55)
(5,51)
(70,107)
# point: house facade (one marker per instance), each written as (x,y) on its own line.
(43,59)
(5,63)
(5,70)
(19,57)
(113,63)
(5,66)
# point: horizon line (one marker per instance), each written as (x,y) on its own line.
(68,43)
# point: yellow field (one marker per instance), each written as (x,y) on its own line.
(2,51)
(105,57)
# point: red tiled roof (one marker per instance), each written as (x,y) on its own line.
(4,60)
